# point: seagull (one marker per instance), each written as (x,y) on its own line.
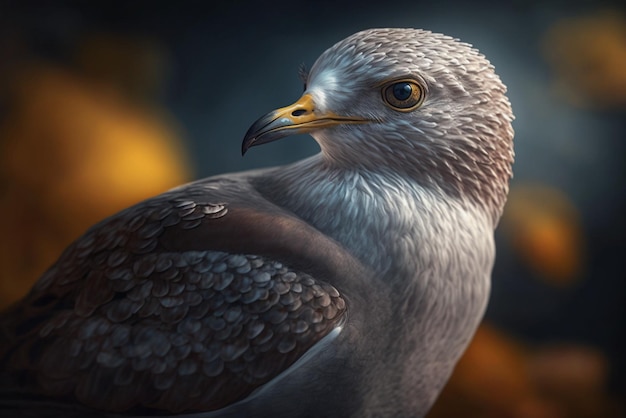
(347,284)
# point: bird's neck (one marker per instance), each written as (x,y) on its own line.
(354,207)
(433,252)
(378,216)
(466,166)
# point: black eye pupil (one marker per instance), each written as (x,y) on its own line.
(402,91)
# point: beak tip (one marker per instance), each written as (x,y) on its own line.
(248,142)
(276,124)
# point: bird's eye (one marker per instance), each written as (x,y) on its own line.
(403,95)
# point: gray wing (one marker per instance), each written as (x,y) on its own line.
(180,303)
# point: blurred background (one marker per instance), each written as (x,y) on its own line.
(103,104)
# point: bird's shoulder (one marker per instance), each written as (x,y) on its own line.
(187,301)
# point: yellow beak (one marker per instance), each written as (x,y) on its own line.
(299,117)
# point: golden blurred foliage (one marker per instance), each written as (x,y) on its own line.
(574,377)
(73,150)
(499,377)
(588,56)
(544,228)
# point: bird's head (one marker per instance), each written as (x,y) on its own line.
(408,101)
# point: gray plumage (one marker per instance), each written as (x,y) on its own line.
(345,285)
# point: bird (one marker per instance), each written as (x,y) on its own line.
(346,284)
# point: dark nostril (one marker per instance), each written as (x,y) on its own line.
(298,112)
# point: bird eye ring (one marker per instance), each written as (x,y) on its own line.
(403,95)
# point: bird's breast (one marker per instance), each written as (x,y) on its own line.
(430,258)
